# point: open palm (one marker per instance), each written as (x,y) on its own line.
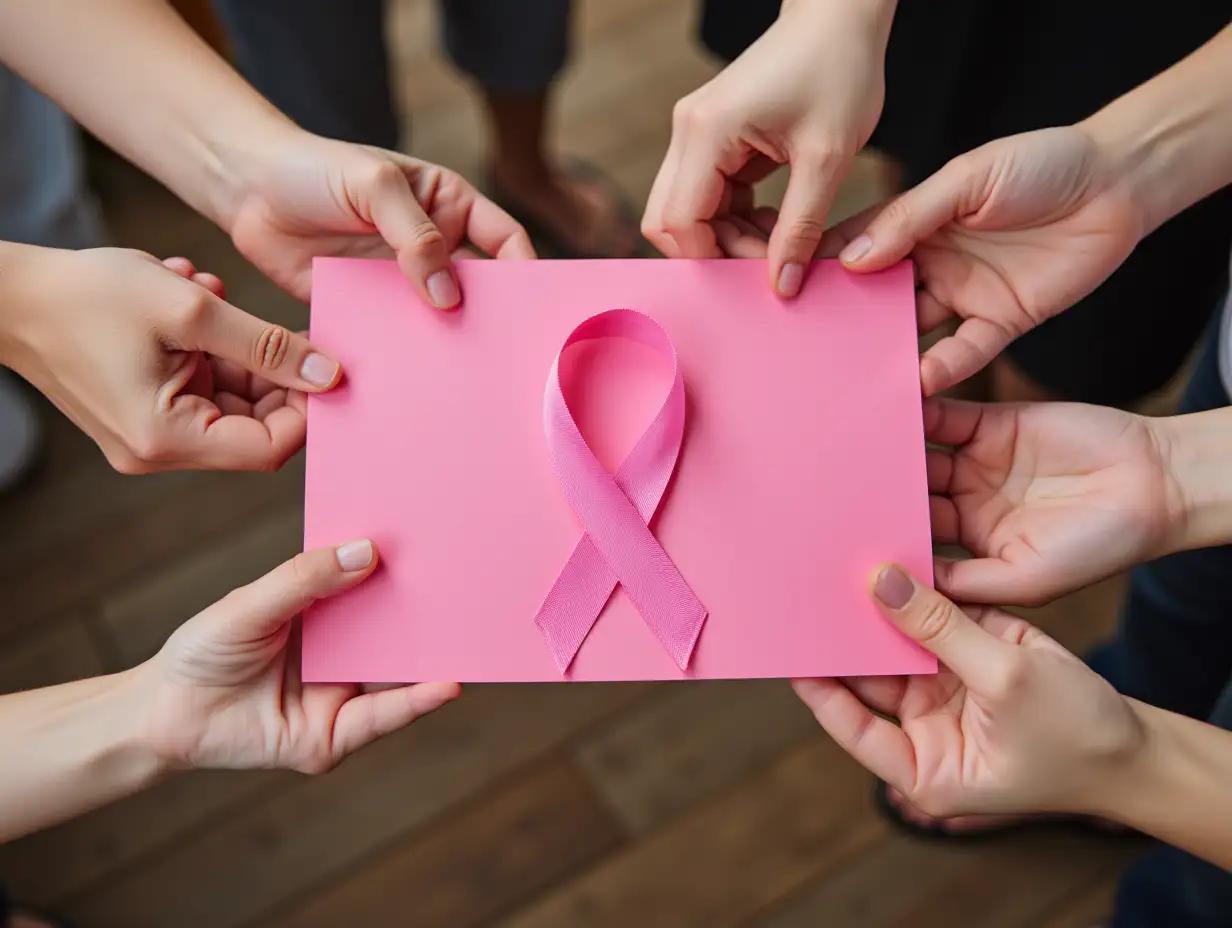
(1003,238)
(1048,497)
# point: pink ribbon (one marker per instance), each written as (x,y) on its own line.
(614,510)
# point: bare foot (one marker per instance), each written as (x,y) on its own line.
(580,216)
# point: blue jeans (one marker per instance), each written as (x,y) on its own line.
(43,194)
(1174,650)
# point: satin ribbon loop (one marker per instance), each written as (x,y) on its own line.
(617,546)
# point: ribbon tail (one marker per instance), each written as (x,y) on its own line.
(575,602)
(679,636)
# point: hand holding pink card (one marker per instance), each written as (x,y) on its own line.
(616,470)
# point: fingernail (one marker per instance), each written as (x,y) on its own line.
(894,588)
(355,555)
(443,290)
(319,370)
(790,279)
(856,249)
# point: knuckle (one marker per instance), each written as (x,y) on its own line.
(308,571)
(824,152)
(193,309)
(271,348)
(936,618)
(385,173)
(806,229)
(897,213)
(693,112)
(425,238)
(1011,681)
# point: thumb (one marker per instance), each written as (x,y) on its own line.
(978,658)
(913,216)
(420,247)
(262,607)
(802,219)
(268,350)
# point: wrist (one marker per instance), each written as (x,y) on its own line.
(1196,451)
(22,288)
(877,15)
(233,158)
(1169,140)
(81,748)
(1135,158)
(134,761)
(1127,794)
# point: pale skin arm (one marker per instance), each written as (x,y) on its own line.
(1172,136)
(1177,791)
(148,86)
(73,748)
(1198,452)
(224,692)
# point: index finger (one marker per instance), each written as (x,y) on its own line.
(494,232)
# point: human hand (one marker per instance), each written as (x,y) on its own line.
(315,196)
(1049,497)
(225,690)
(807,93)
(1012,722)
(151,362)
(1003,238)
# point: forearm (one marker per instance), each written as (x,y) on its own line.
(69,749)
(136,75)
(878,15)
(1179,790)
(1172,137)
(1196,450)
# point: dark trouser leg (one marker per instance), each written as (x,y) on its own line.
(322,62)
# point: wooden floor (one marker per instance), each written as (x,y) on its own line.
(532,806)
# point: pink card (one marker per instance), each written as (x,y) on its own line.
(507,458)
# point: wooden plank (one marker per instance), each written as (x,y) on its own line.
(58,653)
(139,617)
(157,526)
(1007,884)
(1091,907)
(51,865)
(721,863)
(697,742)
(504,848)
(313,828)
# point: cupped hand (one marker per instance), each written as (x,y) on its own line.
(320,197)
(153,364)
(1003,238)
(1048,497)
(807,93)
(1012,723)
(225,690)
